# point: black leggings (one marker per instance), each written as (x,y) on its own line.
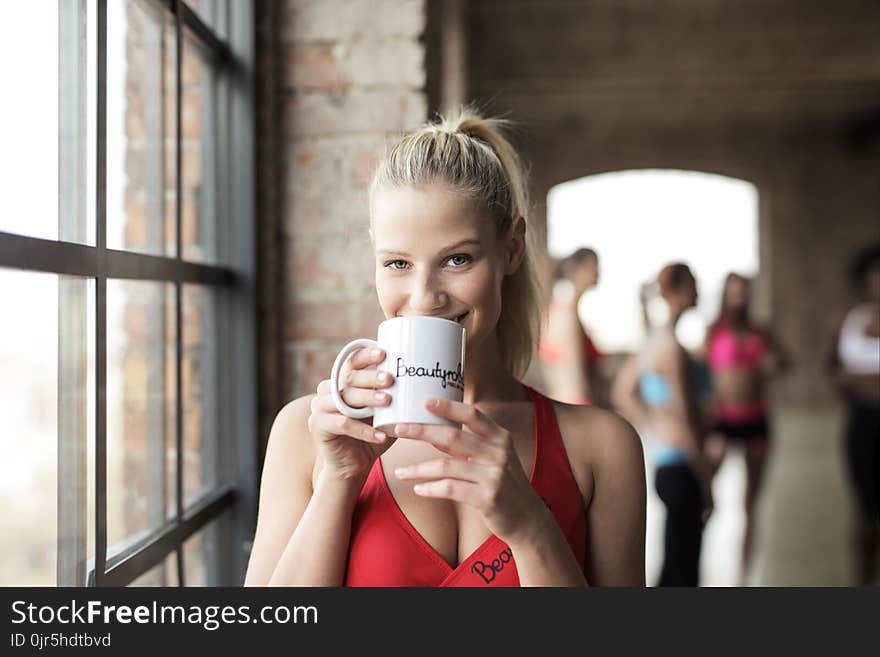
(863,456)
(678,488)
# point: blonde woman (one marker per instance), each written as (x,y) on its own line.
(528,492)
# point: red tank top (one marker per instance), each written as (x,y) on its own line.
(386,550)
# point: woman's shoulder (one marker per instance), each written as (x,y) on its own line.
(858,312)
(290,443)
(597,438)
(294,414)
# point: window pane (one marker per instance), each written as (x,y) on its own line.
(29,126)
(164,574)
(199,378)
(141,379)
(201,554)
(200,200)
(47,434)
(76,429)
(76,121)
(141,128)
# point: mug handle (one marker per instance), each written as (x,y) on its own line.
(341,406)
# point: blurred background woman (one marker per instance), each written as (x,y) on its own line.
(570,362)
(656,390)
(741,357)
(855,368)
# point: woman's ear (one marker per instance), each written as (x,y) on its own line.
(515,248)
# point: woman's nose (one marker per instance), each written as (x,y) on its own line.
(426,295)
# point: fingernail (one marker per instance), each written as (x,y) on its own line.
(419,488)
(379,436)
(384,377)
(431,402)
(375,353)
(399,472)
(380,396)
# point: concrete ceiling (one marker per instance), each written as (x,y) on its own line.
(609,64)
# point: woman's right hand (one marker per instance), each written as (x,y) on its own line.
(347,446)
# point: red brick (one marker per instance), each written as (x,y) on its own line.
(331,20)
(328,217)
(385,111)
(310,363)
(394,63)
(317,68)
(191,66)
(191,165)
(320,320)
(135,128)
(328,270)
(191,119)
(135,222)
(189,221)
(363,165)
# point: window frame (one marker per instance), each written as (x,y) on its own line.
(232,500)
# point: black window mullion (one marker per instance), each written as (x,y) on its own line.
(138,558)
(205,34)
(72,259)
(101,299)
(178,287)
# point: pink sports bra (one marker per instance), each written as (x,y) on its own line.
(729,351)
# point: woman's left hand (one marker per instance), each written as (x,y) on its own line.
(481,469)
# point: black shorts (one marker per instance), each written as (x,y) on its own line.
(863,456)
(757,430)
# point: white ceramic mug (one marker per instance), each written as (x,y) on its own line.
(425,355)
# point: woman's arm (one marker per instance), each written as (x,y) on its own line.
(833,366)
(570,375)
(625,395)
(776,360)
(616,514)
(544,557)
(302,533)
(677,363)
(674,361)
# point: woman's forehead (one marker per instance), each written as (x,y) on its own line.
(426,219)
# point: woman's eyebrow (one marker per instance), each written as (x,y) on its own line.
(457,245)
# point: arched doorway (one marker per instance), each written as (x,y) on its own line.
(638,221)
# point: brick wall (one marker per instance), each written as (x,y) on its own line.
(338,79)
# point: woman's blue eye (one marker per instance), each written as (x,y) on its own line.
(459,260)
(396,264)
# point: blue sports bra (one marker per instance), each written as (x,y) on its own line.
(654,389)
